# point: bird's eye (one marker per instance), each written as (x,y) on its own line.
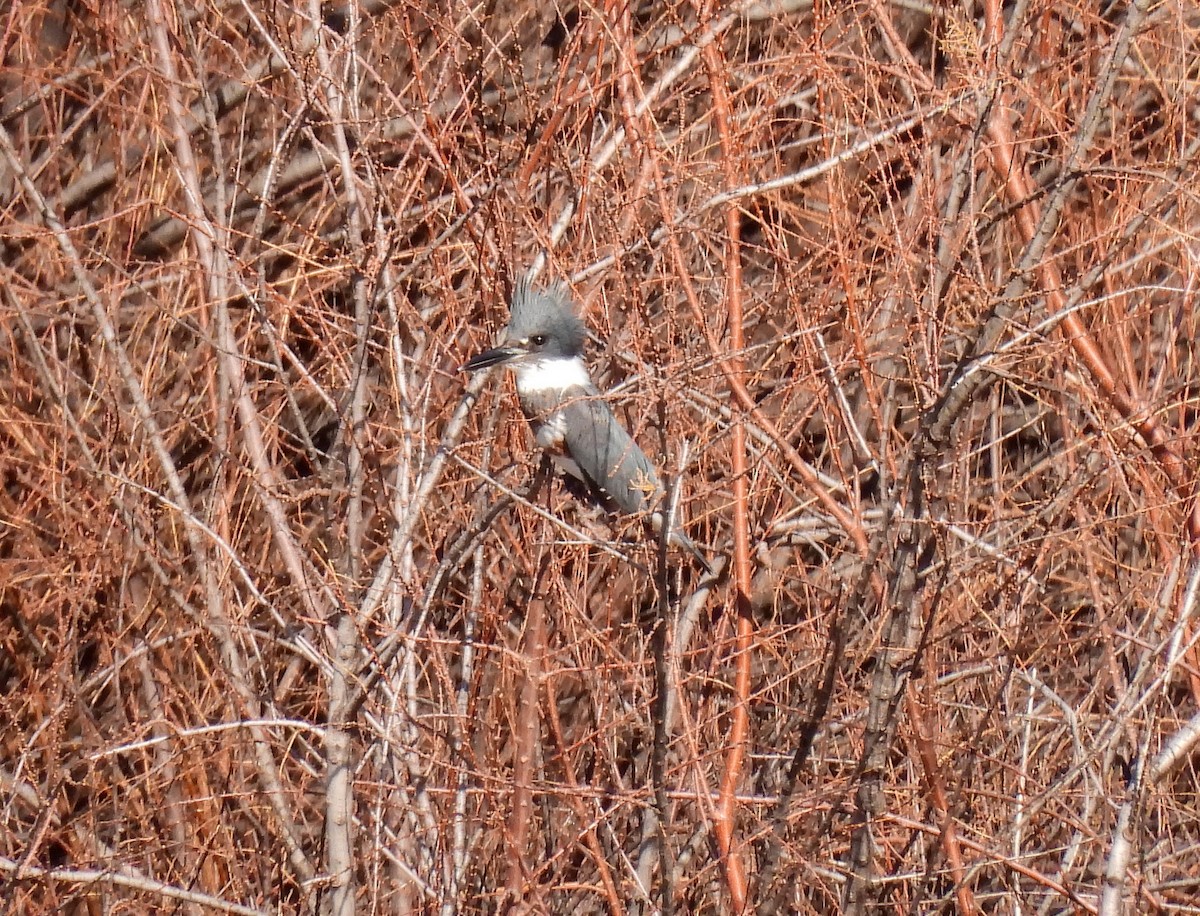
(538,340)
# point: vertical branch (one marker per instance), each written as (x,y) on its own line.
(339,797)
(458,834)
(735,756)
(657,817)
(526,733)
(339,773)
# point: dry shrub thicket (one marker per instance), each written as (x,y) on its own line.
(906,292)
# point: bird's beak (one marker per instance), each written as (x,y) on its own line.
(494,357)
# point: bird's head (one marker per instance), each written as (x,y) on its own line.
(542,326)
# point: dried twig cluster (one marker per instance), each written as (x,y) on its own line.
(903,296)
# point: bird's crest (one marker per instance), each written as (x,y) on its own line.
(546,310)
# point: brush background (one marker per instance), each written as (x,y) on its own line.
(237,467)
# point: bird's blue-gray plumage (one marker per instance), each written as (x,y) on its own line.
(547,312)
(607,456)
(543,346)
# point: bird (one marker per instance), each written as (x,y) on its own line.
(543,347)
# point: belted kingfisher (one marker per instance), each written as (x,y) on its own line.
(543,346)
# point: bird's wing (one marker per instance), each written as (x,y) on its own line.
(607,455)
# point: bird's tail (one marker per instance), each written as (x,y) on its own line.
(677,538)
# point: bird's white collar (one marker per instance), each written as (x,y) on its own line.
(553,374)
